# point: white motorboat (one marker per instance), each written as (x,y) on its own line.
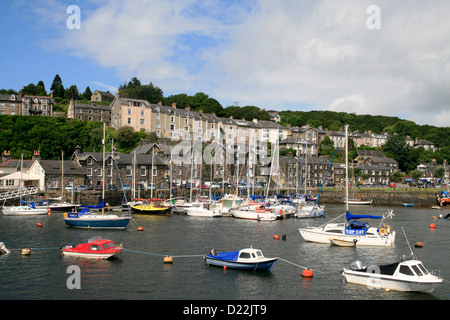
(408,275)
(203,209)
(23,210)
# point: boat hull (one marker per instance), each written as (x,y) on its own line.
(101,256)
(202,213)
(265,265)
(317,235)
(373,280)
(254,215)
(143,209)
(28,212)
(98,222)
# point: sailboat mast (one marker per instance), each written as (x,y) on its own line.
(346,167)
(103,167)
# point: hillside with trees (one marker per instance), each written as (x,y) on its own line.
(22,134)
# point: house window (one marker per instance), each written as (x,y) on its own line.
(143,171)
(172,127)
(129,120)
(172,119)
(89,172)
(129,110)
(89,161)
(158,124)
(155,171)
(99,172)
(129,172)
(142,112)
(186,121)
(142,122)
(158,115)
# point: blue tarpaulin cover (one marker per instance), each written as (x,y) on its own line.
(444,193)
(230,256)
(101,205)
(350,216)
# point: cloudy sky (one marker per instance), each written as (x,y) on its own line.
(274,54)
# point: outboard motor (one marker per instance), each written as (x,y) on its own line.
(356,265)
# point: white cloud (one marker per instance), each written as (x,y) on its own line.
(277,53)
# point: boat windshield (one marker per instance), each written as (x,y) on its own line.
(106,246)
(259,253)
(424,270)
(245,255)
(417,270)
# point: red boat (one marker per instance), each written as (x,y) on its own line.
(96,248)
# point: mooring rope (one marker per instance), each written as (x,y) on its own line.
(297,265)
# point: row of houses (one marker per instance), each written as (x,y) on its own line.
(150,166)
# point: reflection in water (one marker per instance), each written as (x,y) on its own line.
(43,274)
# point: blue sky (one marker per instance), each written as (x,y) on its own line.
(285,54)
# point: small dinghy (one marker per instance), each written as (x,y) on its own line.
(95,248)
(244,259)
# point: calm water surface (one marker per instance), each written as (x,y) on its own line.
(139,273)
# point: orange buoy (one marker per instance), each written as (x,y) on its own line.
(168,259)
(307,273)
(432,226)
(419,244)
(224,267)
(276,237)
(40,225)
(140,229)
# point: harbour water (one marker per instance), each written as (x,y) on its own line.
(140,274)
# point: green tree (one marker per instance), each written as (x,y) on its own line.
(135,90)
(326,148)
(416,174)
(87,94)
(71,93)
(57,87)
(397,148)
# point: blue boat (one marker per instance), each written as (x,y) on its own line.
(89,219)
(244,259)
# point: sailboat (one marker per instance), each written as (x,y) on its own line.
(308,209)
(353,230)
(89,219)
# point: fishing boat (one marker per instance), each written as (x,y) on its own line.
(23,210)
(353,230)
(408,275)
(152,206)
(203,210)
(95,248)
(405,275)
(244,259)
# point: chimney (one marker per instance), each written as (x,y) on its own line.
(188,108)
(6,156)
(36,155)
(160,103)
(117,94)
(174,105)
(51,94)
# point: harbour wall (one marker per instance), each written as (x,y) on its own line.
(388,196)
